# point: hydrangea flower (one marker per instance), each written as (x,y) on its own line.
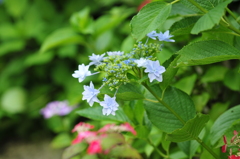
(118,128)
(90,94)
(165,36)
(109,105)
(84,135)
(152,35)
(94,147)
(96,59)
(56,108)
(82,72)
(154,70)
(141,62)
(81,127)
(114,53)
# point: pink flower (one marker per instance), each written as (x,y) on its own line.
(94,147)
(233,157)
(81,127)
(116,128)
(84,135)
(128,127)
(224,147)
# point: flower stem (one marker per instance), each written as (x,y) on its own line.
(155,148)
(175,1)
(207,148)
(231,13)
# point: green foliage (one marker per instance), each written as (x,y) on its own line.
(149,19)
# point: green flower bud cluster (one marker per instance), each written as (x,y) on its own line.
(115,68)
(146,50)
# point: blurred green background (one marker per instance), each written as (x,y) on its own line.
(42,42)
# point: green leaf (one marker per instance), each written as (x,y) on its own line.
(209,4)
(232,79)
(200,101)
(82,22)
(129,152)
(95,113)
(111,140)
(190,147)
(38,59)
(186,84)
(217,109)
(211,18)
(164,119)
(15,7)
(142,131)
(206,52)
(14,100)
(61,37)
(61,140)
(184,26)
(223,123)
(73,150)
(212,74)
(127,92)
(149,18)
(191,129)
(181,9)
(170,72)
(11,47)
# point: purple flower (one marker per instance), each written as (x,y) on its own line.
(90,94)
(165,36)
(96,59)
(82,72)
(109,105)
(56,108)
(152,35)
(154,70)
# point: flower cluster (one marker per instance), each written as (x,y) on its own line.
(234,146)
(116,66)
(60,108)
(94,139)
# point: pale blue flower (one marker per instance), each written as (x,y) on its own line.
(82,72)
(115,53)
(109,105)
(56,108)
(90,94)
(152,35)
(96,59)
(141,62)
(165,36)
(154,70)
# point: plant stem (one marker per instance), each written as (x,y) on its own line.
(207,148)
(158,151)
(175,1)
(231,13)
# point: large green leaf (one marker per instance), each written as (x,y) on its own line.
(179,102)
(149,18)
(206,52)
(96,114)
(61,37)
(223,123)
(191,129)
(184,26)
(211,18)
(127,92)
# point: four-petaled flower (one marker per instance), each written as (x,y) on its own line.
(90,94)
(96,59)
(165,36)
(109,105)
(154,70)
(82,72)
